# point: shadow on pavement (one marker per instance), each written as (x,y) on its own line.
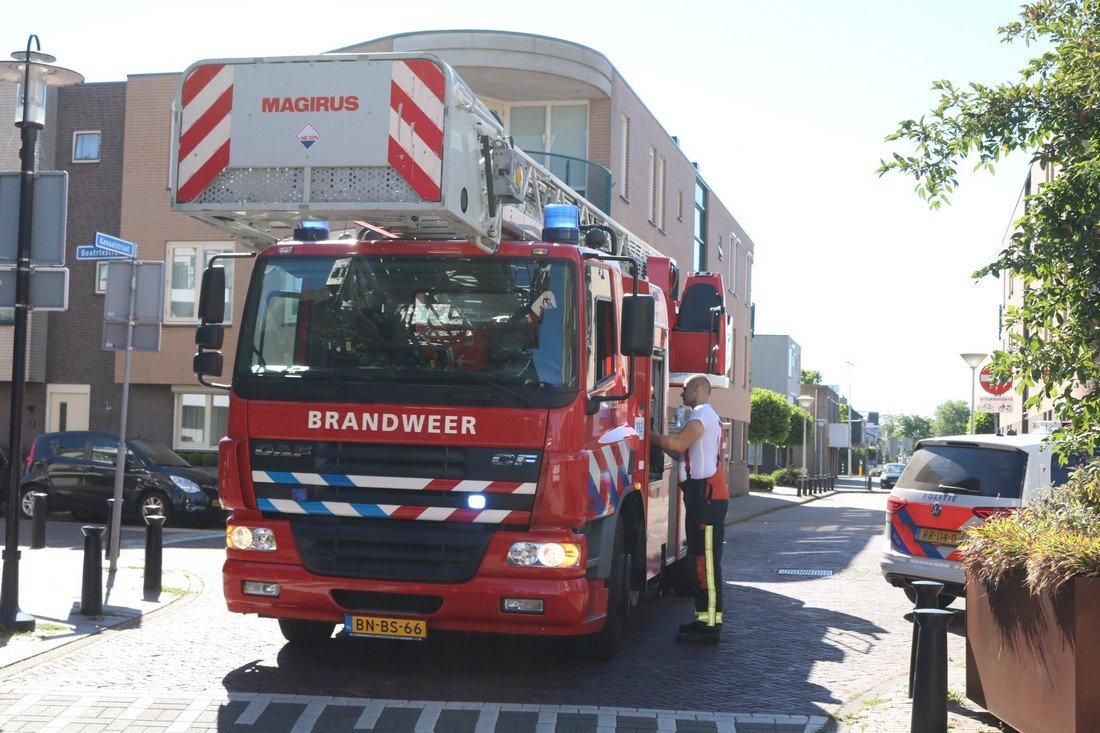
(770,643)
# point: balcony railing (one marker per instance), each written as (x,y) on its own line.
(589,179)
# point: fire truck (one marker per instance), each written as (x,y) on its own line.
(439,417)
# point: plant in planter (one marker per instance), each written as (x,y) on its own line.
(1033,610)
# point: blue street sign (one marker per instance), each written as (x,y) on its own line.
(87,252)
(116,245)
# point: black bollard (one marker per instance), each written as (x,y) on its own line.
(928,596)
(91,589)
(154,526)
(930,680)
(38,520)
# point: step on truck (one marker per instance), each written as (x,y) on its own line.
(447,364)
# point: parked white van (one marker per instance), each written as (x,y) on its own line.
(952,483)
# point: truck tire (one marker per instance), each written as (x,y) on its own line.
(299,631)
(604,644)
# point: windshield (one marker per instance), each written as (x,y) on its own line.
(158,453)
(895,468)
(966,469)
(402,319)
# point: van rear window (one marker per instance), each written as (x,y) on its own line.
(966,469)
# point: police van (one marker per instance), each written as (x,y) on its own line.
(955,482)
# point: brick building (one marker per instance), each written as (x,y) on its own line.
(564,103)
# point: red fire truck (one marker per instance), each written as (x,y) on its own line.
(439,420)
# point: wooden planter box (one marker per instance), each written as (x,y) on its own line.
(1034,661)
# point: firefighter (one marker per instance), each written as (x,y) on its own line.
(697,448)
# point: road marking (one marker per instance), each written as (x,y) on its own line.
(188,716)
(370,715)
(71,713)
(309,716)
(253,712)
(428,717)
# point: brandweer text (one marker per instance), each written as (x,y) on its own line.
(389,422)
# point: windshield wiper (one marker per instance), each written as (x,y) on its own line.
(479,377)
(952,487)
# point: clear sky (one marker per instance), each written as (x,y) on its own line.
(784,105)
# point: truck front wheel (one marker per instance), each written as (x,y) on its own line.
(604,644)
(298,631)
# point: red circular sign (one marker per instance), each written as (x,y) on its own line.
(986,379)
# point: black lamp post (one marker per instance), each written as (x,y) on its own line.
(33,72)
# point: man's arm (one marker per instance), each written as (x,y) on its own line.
(675,445)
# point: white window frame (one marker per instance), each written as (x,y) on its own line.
(101,277)
(203,251)
(735,254)
(99,148)
(624,157)
(659,194)
(178,393)
(652,176)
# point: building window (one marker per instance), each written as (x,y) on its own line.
(186,262)
(624,156)
(735,254)
(700,253)
(601,345)
(657,189)
(100,278)
(86,146)
(679,205)
(200,420)
(555,135)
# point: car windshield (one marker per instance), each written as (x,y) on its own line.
(158,453)
(426,319)
(893,468)
(966,469)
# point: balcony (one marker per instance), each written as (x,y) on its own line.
(589,179)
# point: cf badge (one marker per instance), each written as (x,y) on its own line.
(936,508)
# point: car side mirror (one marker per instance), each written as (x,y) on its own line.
(639,313)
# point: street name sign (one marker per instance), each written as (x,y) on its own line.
(116,245)
(91,252)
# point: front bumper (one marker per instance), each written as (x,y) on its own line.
(572,606)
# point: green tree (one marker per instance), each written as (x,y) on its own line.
(799,421)
(1052,113)
(913,427)
(811,376)
(951,418)
(983,423)
(769,420)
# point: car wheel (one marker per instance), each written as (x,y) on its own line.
(298,631)
(26,501)
(156,502)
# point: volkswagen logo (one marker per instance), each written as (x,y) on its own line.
(937,508)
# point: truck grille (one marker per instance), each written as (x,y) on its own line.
(390,549)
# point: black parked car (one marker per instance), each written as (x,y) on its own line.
(76,470)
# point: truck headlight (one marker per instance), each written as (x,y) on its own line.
(544,554)
(260,539)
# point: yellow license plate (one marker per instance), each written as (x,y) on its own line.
(939,536)
(386,628)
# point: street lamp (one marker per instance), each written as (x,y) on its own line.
(33,72)
(805,402)
(973,361)
(850,418)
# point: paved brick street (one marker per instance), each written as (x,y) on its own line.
(800,644)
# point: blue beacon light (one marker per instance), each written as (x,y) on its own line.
(561,224)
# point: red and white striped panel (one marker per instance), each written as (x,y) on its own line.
(204,131)
(416,126)
(608,472)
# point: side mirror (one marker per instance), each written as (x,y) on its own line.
(210,336)
(212,295)
(637,325)
(208,364)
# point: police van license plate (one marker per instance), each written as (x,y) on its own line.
(386,628)
(939,536)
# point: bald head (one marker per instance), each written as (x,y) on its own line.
(696,390)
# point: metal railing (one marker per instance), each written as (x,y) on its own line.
(589,179)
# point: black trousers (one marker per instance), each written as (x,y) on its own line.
(705,521)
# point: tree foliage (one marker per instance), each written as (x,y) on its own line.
(914,427)
(1052,113)
(984,423)
(769,420)
(952,418)
(811,376)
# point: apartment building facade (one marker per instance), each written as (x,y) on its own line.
(776,364)
(555,97)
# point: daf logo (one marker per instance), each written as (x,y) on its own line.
(936,508)
(282,450)
(513,459)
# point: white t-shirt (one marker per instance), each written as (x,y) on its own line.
(702,455)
